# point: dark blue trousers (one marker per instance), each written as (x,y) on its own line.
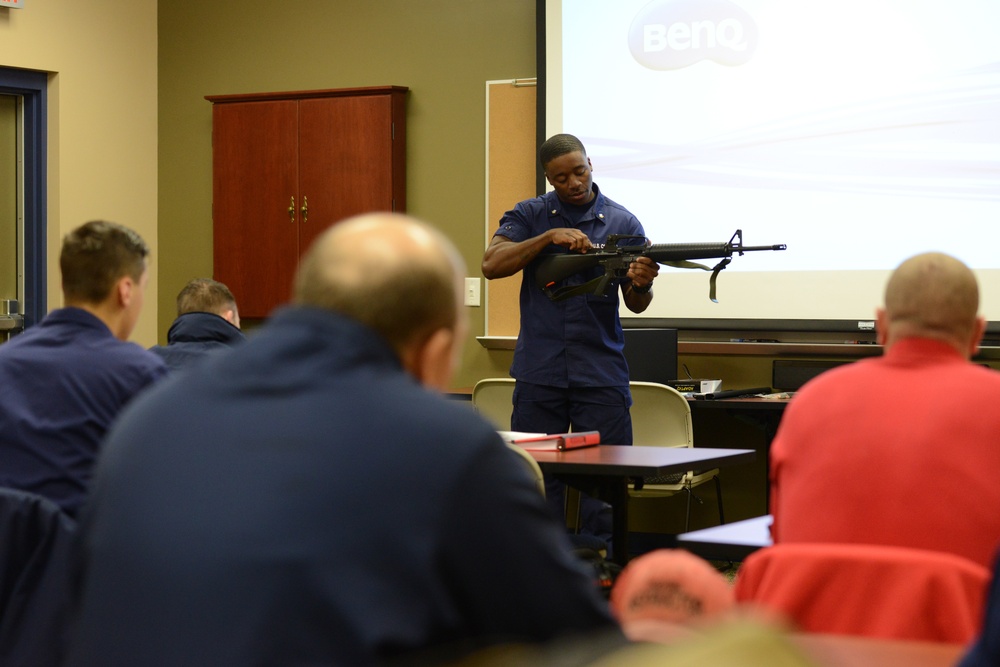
(544,409)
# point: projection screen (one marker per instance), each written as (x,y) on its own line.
(858,132)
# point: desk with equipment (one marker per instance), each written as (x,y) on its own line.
(716,421)
(651,354)
(603,472)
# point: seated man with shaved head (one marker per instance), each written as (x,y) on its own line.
(308,499)
(904,449)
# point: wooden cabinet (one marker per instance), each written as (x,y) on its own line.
(288,165)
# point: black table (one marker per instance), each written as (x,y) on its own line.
(603,472)
(762,413)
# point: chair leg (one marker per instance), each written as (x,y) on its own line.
(687,513)
(579,503)
(718,495)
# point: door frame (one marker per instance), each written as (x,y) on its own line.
(32,86)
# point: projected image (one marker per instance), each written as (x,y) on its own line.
(858,132)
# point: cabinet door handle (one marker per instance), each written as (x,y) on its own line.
(291,210)
(305,209)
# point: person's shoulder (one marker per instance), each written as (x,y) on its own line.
(26,337)
(132,350)
(525,219)
(988,373)
(176,355)
(534,205)
(616,211)
(611,206)
(132,354)
(40,333)
(156,402)
(609,203)
(442,415)
(440,407)
(986,380)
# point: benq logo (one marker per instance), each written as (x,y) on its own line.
(671,34)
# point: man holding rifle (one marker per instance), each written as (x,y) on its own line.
(568,362)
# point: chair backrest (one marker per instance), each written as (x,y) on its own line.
(869,590)
(36,571)
(986,649)
(494,399)
(661,416)
(532,466)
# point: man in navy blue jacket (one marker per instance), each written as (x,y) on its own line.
(207,320)
(308,498)
(66,378)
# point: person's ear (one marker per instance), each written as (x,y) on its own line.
(977,336)
(231,317)
(432,362)
(123,291)
(881,326)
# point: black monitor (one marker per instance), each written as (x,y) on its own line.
(651,354)
(791,374)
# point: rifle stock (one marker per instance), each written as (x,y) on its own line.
(616,257)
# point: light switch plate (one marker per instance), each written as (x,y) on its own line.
(472,291)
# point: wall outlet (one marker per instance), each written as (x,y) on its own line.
(472,291)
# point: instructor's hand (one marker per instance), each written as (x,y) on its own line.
(571,238)
(642,271)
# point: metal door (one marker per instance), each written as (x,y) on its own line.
(11,216)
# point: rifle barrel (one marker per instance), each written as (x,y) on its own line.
(673,252)
(776,246)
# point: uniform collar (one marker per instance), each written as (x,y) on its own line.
(74,315)
(200,326)
(554,206)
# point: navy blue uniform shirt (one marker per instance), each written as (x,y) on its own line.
(64,381)
(577,342)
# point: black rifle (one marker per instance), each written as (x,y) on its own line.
(621,250)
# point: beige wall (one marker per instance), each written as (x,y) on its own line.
(102,64)
(443,50)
